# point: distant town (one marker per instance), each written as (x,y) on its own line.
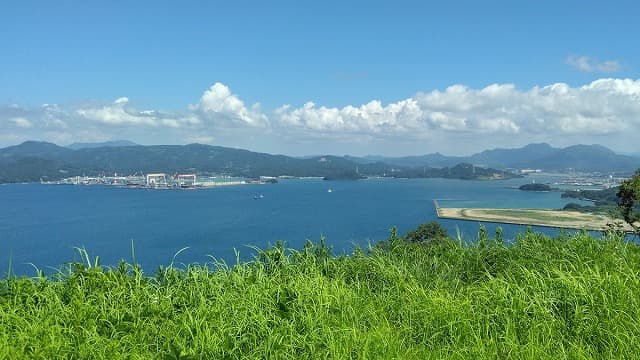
(197,165)
(160,181)
(573,179)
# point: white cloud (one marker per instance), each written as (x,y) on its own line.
(21,122)
(604,106)
(586,64)
(120,113)
(219,114)
(117,114)
(603,111)
(220,105)
(371,117)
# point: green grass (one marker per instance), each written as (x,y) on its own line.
(572,296)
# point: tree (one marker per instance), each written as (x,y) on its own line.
(629,204)
(427,232)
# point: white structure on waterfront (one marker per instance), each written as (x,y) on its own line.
(186,180)
(157,180)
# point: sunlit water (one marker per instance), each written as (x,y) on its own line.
(41,224)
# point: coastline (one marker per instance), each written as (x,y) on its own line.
(534,217)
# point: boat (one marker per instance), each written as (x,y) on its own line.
(256,197)
(329,190)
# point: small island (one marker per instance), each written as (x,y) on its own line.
(535,187)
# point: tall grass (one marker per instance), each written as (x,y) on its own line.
(572,296)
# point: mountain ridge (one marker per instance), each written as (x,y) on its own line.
(113,143)
(32,161)
(542,156)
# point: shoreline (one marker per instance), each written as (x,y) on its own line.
(534,217)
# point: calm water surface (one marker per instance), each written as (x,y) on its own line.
(41,224)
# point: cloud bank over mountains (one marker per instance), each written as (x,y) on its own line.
(607,109)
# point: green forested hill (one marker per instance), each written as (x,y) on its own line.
(32,160)
(600,197)
(584,158)
(588,158)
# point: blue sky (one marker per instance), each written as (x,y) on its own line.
(163,59)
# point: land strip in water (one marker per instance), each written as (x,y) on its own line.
(536,217)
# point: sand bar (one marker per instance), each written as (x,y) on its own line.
(537,217)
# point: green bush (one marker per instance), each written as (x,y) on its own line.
(427,232)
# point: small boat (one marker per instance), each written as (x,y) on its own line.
(256,197)
(329,190)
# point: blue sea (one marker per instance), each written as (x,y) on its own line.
(43,224)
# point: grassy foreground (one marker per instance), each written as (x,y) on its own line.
(567,297)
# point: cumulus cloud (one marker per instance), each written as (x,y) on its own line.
(219,114)
(603,106)
(586,64)
(494,114)
(120,113)
(219,104)
(372,117)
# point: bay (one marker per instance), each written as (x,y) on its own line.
(42,224)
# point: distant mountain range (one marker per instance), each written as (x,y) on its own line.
(542,156)
(32,161)
(116,143)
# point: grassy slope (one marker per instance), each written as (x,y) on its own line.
(566,297)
